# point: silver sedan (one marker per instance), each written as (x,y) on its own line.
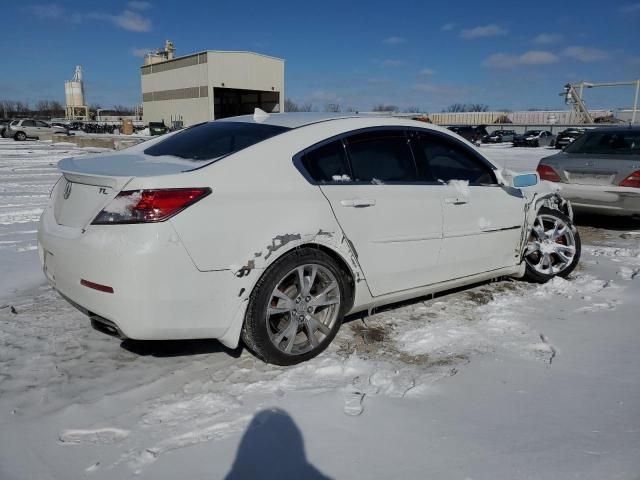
(600,171)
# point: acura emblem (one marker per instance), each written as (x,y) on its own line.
(67,190)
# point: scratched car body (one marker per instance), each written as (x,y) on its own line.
(271,228)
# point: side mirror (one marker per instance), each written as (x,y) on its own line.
(524,180)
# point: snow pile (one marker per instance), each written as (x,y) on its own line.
(341,178)
(460,186)
(122,205)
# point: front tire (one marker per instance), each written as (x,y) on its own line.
(297,307)
(553,247)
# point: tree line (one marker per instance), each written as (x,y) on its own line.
(292,106)
(51,109)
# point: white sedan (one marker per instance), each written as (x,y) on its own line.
(271,228)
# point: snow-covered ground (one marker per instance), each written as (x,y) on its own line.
(503,380)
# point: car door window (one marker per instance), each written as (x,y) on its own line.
(442,160)
(41,124)
(28,123)
(327,163)
(381,156)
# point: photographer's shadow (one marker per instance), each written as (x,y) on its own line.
(272,448)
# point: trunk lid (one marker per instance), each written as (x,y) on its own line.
(603,170)
(90,183)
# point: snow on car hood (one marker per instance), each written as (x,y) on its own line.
(126,165)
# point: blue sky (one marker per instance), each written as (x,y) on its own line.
(514,55)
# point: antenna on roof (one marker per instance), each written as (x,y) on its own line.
(259,115)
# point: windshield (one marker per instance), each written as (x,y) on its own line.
(213,139)
(613,143)
(532,132)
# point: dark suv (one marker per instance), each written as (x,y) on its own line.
(568,136)
(499,136)
(4,128)
(472,133)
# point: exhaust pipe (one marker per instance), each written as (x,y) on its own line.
(106,326)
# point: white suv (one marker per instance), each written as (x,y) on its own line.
(28,128)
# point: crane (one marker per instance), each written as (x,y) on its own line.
(573,95)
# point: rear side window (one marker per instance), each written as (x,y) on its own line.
(381,156)
(614,143)
(327,163)
(28,123)
(208,141)
(442,160)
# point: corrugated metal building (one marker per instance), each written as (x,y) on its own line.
(528,117)
(209,85)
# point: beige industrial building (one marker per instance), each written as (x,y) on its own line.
(209,85)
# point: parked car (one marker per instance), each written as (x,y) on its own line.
(29,128)
(499,136)
(4,128)
(273,227)
(158,128)
(534,138)
(599,171)
(567,136)
(472,133)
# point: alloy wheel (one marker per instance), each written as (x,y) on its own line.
(302,309)
(551,246)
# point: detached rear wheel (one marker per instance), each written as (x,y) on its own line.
(553,247)
(296,308)
(20,136)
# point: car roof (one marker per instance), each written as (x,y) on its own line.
(296,119)
(617,129)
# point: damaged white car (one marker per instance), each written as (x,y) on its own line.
(271,228)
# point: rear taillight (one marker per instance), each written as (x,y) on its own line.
(145,206)
(548,173)
(632,180)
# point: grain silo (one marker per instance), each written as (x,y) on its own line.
(76,108)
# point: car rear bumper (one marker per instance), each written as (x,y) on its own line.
(156,291)
(604,199)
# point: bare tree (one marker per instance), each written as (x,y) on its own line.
(466,107)
(412,110)
(384,108)
(122,110)
(56,108)
(291,106)
(332,107)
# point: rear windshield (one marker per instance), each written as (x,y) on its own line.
(211,140)
(613,143)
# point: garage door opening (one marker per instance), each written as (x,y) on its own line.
(231,102)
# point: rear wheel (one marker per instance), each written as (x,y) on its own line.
(296,308)
(20,136)
(553,247)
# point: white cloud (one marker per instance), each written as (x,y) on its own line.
(140,52)
(127,20)
(547,38)
(532,57)
(585,54)
(442,90)
(139,5)
(394,40)
(629,8)
(47,10)
(389,62)
(447,27)
(426,72)
(132,21)
(483,31)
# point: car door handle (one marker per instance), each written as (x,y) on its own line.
(456,200)
(358,202)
